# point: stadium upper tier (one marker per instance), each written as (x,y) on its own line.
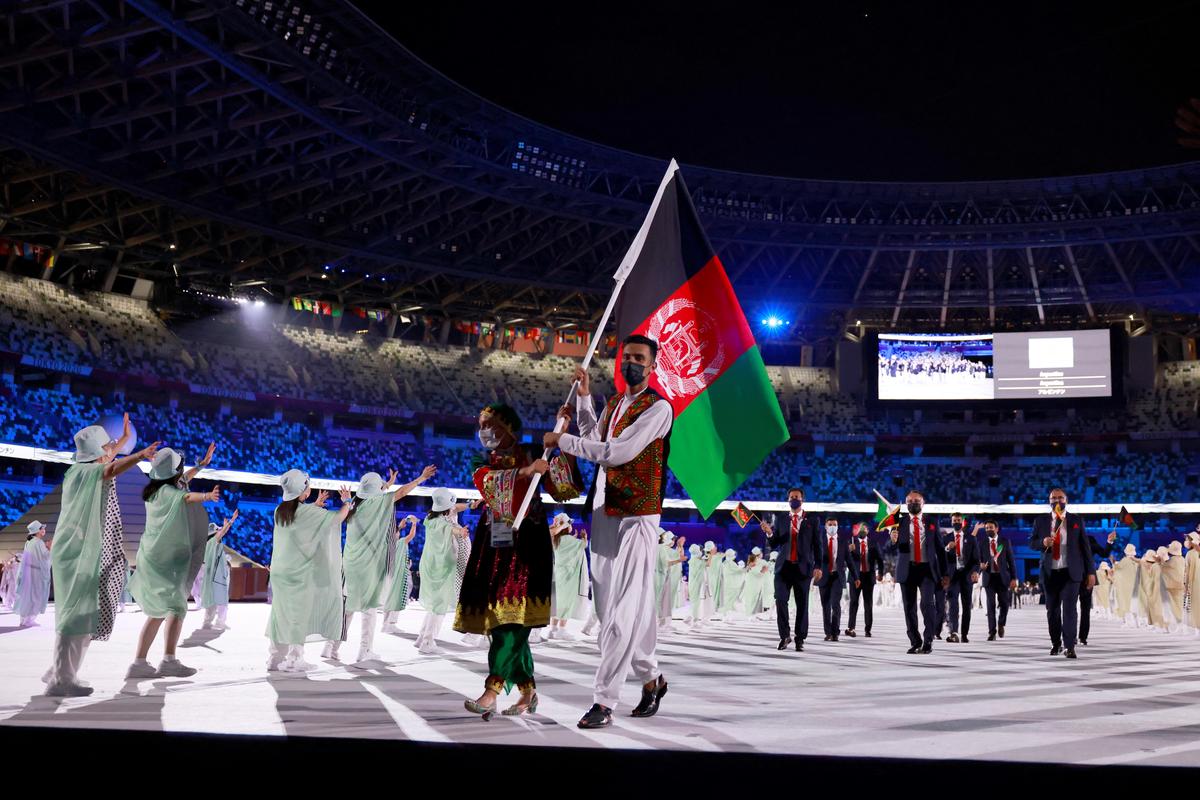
(292,396)
(244,359)
(253,141)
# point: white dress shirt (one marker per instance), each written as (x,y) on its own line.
(654,423)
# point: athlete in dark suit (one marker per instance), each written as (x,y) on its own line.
(798,563)
(999,575)
(962,567)
(1066,565)
(920,568)
(835,562)
(870,570)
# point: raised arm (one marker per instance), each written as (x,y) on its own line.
(204,497)
(202,463)
(226,525)
(345,495)
(425,475)
(121,465)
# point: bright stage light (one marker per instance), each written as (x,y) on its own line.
(259,303)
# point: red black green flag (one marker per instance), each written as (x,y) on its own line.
(742,515)
(1126,518)
(727,418)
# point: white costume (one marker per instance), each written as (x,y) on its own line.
(33,584)
(624,549)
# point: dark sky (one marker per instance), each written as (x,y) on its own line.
(849,89)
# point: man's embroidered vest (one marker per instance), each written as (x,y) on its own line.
(636,488)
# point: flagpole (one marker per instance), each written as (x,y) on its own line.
(627,263)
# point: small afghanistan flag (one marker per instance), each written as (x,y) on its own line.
(1125,518)
(727,418)
(742,515)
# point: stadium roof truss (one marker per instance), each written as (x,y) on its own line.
(298,145)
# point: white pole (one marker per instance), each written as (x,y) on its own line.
(631,257)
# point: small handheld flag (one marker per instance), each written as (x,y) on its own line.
(1126,518)
(885,514)
(743,515)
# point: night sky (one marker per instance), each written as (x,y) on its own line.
(858,90)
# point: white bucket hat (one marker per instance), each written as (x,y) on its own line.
(741,563)
(370,485)
(694,550)
(213,528)
(668,536)
(294,482)
(1150,557)
(561,519)
(710,546)
(731,553)
(443,500)
(1194,538)
(89,444)
(1162,553)
(757,551)
(1175,548)
(1130,550)
(1103,566)
(35,527)
(774,555)
(165,464)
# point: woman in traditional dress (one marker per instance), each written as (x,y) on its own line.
(506,590)
(368,533)
(8,581)
(306,573)
(712,581)
(214,593)
(33,583)
(164,556)
(87,562)
(439,595)
(571,582)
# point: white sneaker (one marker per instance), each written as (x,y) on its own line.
(67,690)
(331,652)
(565,635)
(297,665)
(275,664)
(551,633)
(139,671)
(222,626)
(429,647)
(368,655)
(390,628)
(175,669)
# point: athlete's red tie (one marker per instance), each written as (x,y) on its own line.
(916,535)
(795,535)
(1057,527)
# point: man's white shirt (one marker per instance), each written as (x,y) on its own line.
(654,423)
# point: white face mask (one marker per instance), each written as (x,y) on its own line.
(488,438)
(831,531)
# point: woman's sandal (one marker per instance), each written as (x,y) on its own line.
(520,709)
(476,708)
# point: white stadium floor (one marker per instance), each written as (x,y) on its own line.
(1130,698)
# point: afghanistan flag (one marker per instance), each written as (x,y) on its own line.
(1125,518)
(727,418)
(742,515)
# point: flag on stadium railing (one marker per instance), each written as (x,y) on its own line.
(742,515)
(727,417)
(297,304)
(1125,518)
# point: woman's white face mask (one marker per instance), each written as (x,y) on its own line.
(488,438)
